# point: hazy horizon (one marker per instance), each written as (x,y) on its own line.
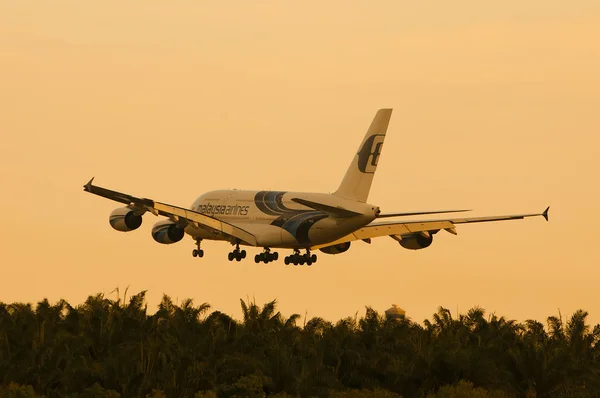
(495,109)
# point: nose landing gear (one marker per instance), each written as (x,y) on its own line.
(301,259)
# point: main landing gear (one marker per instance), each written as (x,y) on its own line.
(198,252)
(301,259)
(237,254)
(266,256)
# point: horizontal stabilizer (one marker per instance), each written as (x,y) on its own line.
(545,213)
(419,213)
(333,211)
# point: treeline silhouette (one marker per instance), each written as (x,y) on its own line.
(112,347)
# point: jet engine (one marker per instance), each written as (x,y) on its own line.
(336,249)
(124,219)
(416,241)
(167,232)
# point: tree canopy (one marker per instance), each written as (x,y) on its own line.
(115,348)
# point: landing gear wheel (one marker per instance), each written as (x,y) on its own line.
(294,258)
(237,254)
(198,252)
(266,256)
(300,259)
(307,259)
(286,260)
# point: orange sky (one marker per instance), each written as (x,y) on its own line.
(496,108)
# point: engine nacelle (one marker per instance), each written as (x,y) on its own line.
(124,219)
(336,249)
(167,232)
(416,241)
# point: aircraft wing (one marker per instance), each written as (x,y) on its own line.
(396,229)
(177,214)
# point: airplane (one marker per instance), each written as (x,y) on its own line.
(298,221)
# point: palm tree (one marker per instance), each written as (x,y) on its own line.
(113,346)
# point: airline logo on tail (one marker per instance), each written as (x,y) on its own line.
(368,156)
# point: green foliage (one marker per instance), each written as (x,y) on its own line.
(250,386)
(97,391)
(205,394)
(156,394)
(14,390)
(465,389)
(282,394)
(378,393)
(114,348)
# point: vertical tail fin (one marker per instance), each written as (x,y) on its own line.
(359,176)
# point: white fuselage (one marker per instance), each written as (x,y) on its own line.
(276,220)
